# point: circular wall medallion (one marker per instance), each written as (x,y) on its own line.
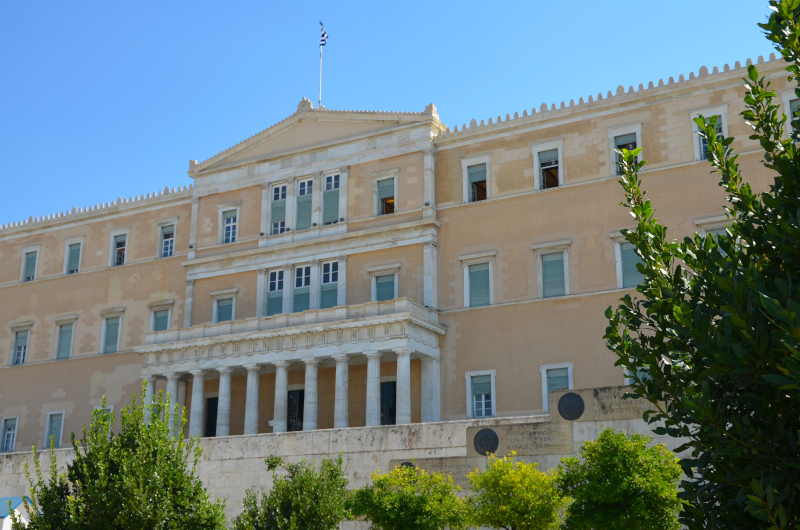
(571,406)
(486,441)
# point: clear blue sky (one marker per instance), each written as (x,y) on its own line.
(108,99)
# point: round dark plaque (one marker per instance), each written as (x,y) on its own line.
(486,441)
(571,406)
(407,464)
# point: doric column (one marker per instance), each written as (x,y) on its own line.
(188,302)
(428,177)
(340,411)
(181,406)
(172,400)
(403,410)
(316,200)
(431,397)
(288,288)
(264,225)
(193,228)
(281,396)
(251,404)
(149,390)
(313,302)
(343,173)
(198,403)
(341,291)
(310,395)
(261,293)
(430,275)
(224,403)
(373,388)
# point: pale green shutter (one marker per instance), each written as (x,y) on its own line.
(274,303)
(625,139)
(548,156)
(384,288)
(112,335)
(329,295)
(303,212)
(278,211)
(476,173)
(230,214)
(330,206)
(21,341)
(553,274)
(119,239)
(224,309)
(385,189)
(161,320)
(481,384)
(557,379)
(479,285)
(794,105)
(30,266)
(631,277)
(64,341)
(301,299)
(54,433)
(74,260)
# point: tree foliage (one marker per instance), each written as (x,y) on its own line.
(409,497)
(515,495)
(304,499)
(715,334)
(619,482)
(139,478)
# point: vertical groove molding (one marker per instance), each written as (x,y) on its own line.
(251,403)
(196,415)
(373,388)
(341,409)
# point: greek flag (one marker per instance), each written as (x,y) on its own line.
(323,37)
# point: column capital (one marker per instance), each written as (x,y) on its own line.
(195,200)
(252,367)
(265,185)
(148,378)
(311,361)
(317,177)
(431,151)
(224,369)
(287,268)
(290,180)
(344,169)
(429,245)
(314,263)
(372,354)
(281,364)
(262,270)
(403,351)
(190,283)
(341,358)
(197,373)
(172,376)
(343,258)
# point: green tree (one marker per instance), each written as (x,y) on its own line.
(409,497)
(619,482)
(515,495)
(302,500)
(139,478)
(714,339)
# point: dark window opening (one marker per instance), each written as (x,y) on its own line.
(478,191)
(387,205)
(294,411)
(389,403)
(211,417)
(550,175)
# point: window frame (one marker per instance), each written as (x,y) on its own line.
(296,267)
(64,321)
(60,438)
(708,224)
(20,327)
(537,170)
(392,269)
(337,175)
(112,250)
(285,193)
(470,403)
(787,96)
(106,315)
(551,247)
(25,251)
(223,294)
(322,282)
(309,183)
(277,271)
(161,224)
(475,161)
(379,177)
(618,240)
(622,130)
(478,259)
(3,419)
(78,240)
(707,112)
(165,305)
(545,391)
(222,209)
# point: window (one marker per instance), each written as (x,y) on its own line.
(794,119)
(388,402)
(478,274)
(161,320)
(20,353)
(224,309)
(278,210)
(29,263)
(480,394)
(627,137)
(73,258)
(167,241)
(65,333)
(475,178)
(628,274)
(554,377)
(547,165)
(330,200)
(329,292)
(294,410)
(9,434)
(275,293)
(384,281)
(111,334)
(552,268)
(120,246)
(700,143)
(302,288)
(212,407)
(53,432)
(304,203)
(229,226)
(386,204)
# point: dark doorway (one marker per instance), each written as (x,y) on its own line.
(211,417)
(389,403)
(294,412)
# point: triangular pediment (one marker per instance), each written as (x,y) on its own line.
(309,128)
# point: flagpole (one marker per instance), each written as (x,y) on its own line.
(320,77)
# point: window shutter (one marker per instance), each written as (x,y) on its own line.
(224,309)
(631,277)
(112,335)
(301,299)
(553,274)
(64,341)
(73,263)
(167,230)
(274,303)
(278,211)
(476,173)
(329,296)
(793,106)
(161,320)
(479,285)
(30,265)
(330,206)
(54,432)
(119,239)
(303,212)
(384,287)
(481,384)
(557,379)
(230,214)
(625,139)
(21,339)
(546,157)
(385,189)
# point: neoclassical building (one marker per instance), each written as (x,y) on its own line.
(359,268)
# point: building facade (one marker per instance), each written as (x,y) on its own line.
(349,268)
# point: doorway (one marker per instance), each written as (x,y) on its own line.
(294,412)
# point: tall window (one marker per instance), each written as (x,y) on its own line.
(704,141)
(548,168)
(629,275)
(481,390)
(278,210)
(9,434)
(388,402)
(330,200)
(275,293)
(555,377)
(552,266)
(386,196)
(224,309)
(167,240)
(65,332)
(305,191)
(120,248)
(302,289)
(229,226)
(623,141)
(111,335)
(476,176)
(329,292)
(384,287)
(20,347)
(479,285)
(794,119)
(720,115)
(161,320)
(55,422)
(294,410)
(73,258)
(30,266)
